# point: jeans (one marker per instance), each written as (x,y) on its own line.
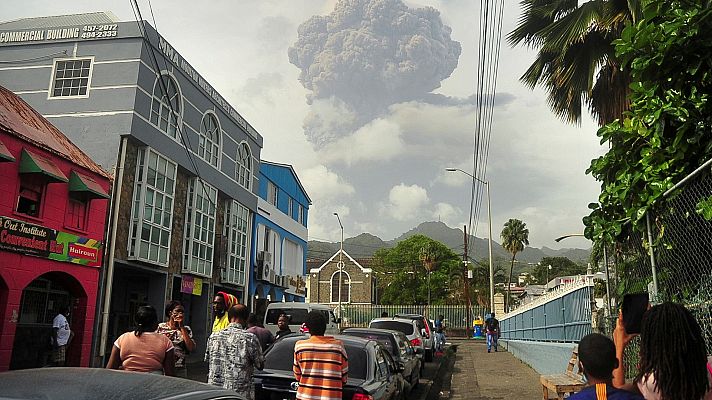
(491,339)
(440,341)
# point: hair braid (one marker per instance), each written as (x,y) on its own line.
(673,350)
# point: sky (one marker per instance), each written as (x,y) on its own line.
(369,100)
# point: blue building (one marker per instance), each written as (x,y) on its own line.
(280,236)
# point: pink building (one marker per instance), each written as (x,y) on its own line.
(53,206)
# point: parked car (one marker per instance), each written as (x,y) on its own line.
(373,375)
(427,330)
(398,346)
(100,383)
(409,328)
(297,313)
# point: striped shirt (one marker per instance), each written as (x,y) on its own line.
(321,367)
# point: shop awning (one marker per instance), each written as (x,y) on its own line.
(87,185)
(31,163)
(5,154)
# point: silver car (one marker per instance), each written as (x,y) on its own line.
(408,326)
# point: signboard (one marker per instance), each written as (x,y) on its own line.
(39,241)
(102,31)
(191,285)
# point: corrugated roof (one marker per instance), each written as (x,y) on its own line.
(19,119)
(95,18)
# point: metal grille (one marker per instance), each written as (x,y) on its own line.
(359,315)
(41,301)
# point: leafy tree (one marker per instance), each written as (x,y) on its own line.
(576,63)
(403,273)
(515,236)
(560,266)
(666,133)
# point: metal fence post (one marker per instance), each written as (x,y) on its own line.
(651,251)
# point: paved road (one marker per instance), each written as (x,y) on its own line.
(478,375)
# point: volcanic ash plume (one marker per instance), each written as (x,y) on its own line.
(367,55)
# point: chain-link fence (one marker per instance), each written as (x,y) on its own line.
(672,258)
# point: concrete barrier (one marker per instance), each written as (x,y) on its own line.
(545,357)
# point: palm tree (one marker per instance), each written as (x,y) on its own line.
(576,63)
(515,236)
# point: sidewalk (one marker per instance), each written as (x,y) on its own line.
(478,375)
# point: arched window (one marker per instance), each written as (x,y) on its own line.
(243,168)
(345,287)
(166,105)
(209,142)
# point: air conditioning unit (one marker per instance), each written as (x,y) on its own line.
(264,257)
(266,271)
(284,281)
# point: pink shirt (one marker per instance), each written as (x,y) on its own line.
(143,353)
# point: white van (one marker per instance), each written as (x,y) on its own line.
(297,313)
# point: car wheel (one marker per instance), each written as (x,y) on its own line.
(429,355)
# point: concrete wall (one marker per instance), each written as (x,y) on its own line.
(544,357)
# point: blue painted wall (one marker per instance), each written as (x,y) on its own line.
(546,358)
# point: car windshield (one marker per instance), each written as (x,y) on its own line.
(297,316)
(385,340)
(404,327)
(281,357)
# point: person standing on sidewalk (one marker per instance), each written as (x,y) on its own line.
(233,354)
(179,334)
(221,303)
(440,332)
(263,335)
(282,326)
(61,336)
(492,328)
(320,363)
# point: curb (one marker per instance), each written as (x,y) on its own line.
(434,387)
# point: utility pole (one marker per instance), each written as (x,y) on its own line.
(467,286)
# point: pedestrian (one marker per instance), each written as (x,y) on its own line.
(597,360)
(233,354)
(673,356)
(320,363)
(283,326)
(179,334)
(384,314)
(144,349)
(263,335)
(221,303)
(61,336)
(492,329)
(440,332)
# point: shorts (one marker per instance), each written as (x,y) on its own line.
(59,355)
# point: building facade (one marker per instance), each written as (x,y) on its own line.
(280,237)
(358,284)
(53,208)
(186,162)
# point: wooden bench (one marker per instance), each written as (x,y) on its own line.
(568,382)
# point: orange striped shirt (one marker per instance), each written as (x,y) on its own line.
(321,368)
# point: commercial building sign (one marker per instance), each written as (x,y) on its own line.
(71,32)
(191,285)
(40,241)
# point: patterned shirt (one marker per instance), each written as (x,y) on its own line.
(175,336)
(232,355)
(321,367)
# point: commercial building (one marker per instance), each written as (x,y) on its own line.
(53,208)
(185,159)
(280,237)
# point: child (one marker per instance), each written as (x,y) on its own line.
(597,360)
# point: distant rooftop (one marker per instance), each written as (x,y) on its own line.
(95,18)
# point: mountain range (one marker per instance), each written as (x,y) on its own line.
(365,245)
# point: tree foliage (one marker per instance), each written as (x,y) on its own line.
(560,266)
(403,277)
(576,61)
(666,134)
(515,236)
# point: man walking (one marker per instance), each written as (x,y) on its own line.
(263,335)
(492,329)
(233,354)
(61,336)
(440,332)
(221,303)
(320,363)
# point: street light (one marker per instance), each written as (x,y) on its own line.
(341,264)
(489,217)
(605,264)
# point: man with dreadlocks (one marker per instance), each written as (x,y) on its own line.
(673,356)
(221,303)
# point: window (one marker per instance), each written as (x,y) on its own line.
(200,228)
(290,207)
(272,193)
(237,228)
(29,198)
(243,168)
(166,106)
(293,259)
(345,287)
(300,216)
(71,78)
(209,141)
(152,210)
(76,214)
